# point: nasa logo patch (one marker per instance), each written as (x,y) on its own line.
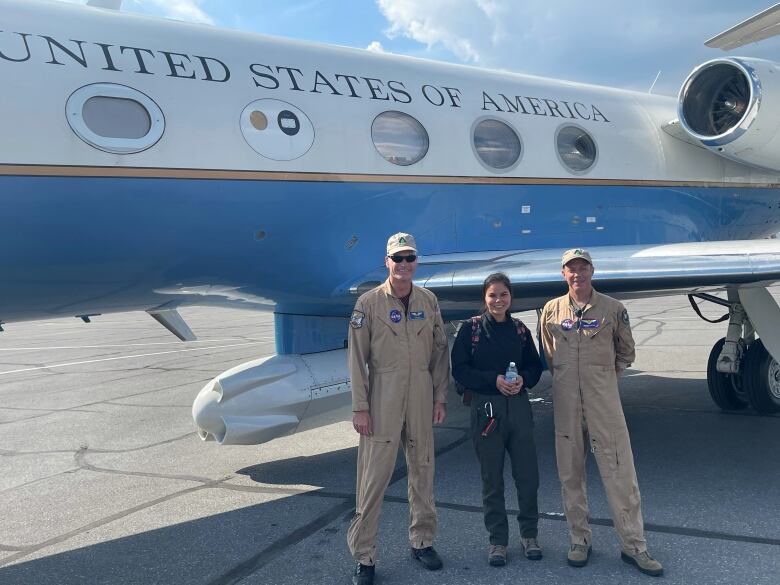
(395,316)
(567,324)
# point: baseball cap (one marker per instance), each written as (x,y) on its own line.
(575,253)
(400,241)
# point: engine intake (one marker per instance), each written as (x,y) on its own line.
(732,106)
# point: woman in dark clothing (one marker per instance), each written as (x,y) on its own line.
(501,419)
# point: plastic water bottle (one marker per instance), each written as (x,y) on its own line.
(511,373)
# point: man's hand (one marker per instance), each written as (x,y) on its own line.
(439,412)
(361,420)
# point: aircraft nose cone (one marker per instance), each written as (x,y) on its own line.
(206,410)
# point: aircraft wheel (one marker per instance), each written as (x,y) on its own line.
(725,389)
(761,379)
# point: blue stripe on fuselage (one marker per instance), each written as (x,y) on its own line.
(74,245)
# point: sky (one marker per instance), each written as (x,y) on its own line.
(608,42)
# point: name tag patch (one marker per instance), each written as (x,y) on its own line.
(416,315)
(395,316)
(590,323)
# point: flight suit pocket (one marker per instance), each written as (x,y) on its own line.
(560,349)
(602,378)
(568,458)
(604,449)
(439,337)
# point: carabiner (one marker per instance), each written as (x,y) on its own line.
(489,409)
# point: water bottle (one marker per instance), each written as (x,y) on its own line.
(511,373)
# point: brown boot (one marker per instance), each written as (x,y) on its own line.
(531,548)
(496,555)
(644,562)
(578,555)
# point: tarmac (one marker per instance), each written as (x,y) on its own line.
(104,481)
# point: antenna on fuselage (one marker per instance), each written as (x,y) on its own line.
(110,4)
(652,85)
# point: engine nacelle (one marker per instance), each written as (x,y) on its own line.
(732,107)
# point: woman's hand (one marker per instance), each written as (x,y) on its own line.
(509,388)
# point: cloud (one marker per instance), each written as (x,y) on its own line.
(607,42)
(376,47)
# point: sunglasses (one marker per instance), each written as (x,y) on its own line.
(397,258)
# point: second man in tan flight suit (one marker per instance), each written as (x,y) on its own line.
(588,344)
(400,370)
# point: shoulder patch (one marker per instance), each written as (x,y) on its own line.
(624,316)
(356,320)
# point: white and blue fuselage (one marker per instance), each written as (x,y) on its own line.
(213,211)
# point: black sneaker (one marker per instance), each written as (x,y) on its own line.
(363,575)
(429,558)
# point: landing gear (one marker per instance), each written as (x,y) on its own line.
(740,371)
(761,379)
(725,389)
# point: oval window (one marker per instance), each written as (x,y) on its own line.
(497,144)
(399,138)
(276,129)
(576,148)
(115,118)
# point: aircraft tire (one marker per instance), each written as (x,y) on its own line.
(725,389)
(761,379)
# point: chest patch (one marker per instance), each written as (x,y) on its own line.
(395,316)
(567,324)
(590,323)
(416,315)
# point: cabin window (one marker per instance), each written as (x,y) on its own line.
(497,144)
(115,118)
(276,129)
(399,138)
(576,149)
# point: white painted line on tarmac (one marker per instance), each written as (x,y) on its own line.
(126,357)
(262,338)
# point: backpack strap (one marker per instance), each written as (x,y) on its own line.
(521,329)
(475,328)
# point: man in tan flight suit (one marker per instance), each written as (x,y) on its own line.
(399,367)
(588,344)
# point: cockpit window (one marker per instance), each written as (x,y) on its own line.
(115,118)
(497,144)
(399,138)
(576,149)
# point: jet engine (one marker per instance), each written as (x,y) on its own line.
(732,107)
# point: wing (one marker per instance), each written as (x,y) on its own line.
(621,271)
(756,28)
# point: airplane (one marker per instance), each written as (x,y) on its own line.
(148,165)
